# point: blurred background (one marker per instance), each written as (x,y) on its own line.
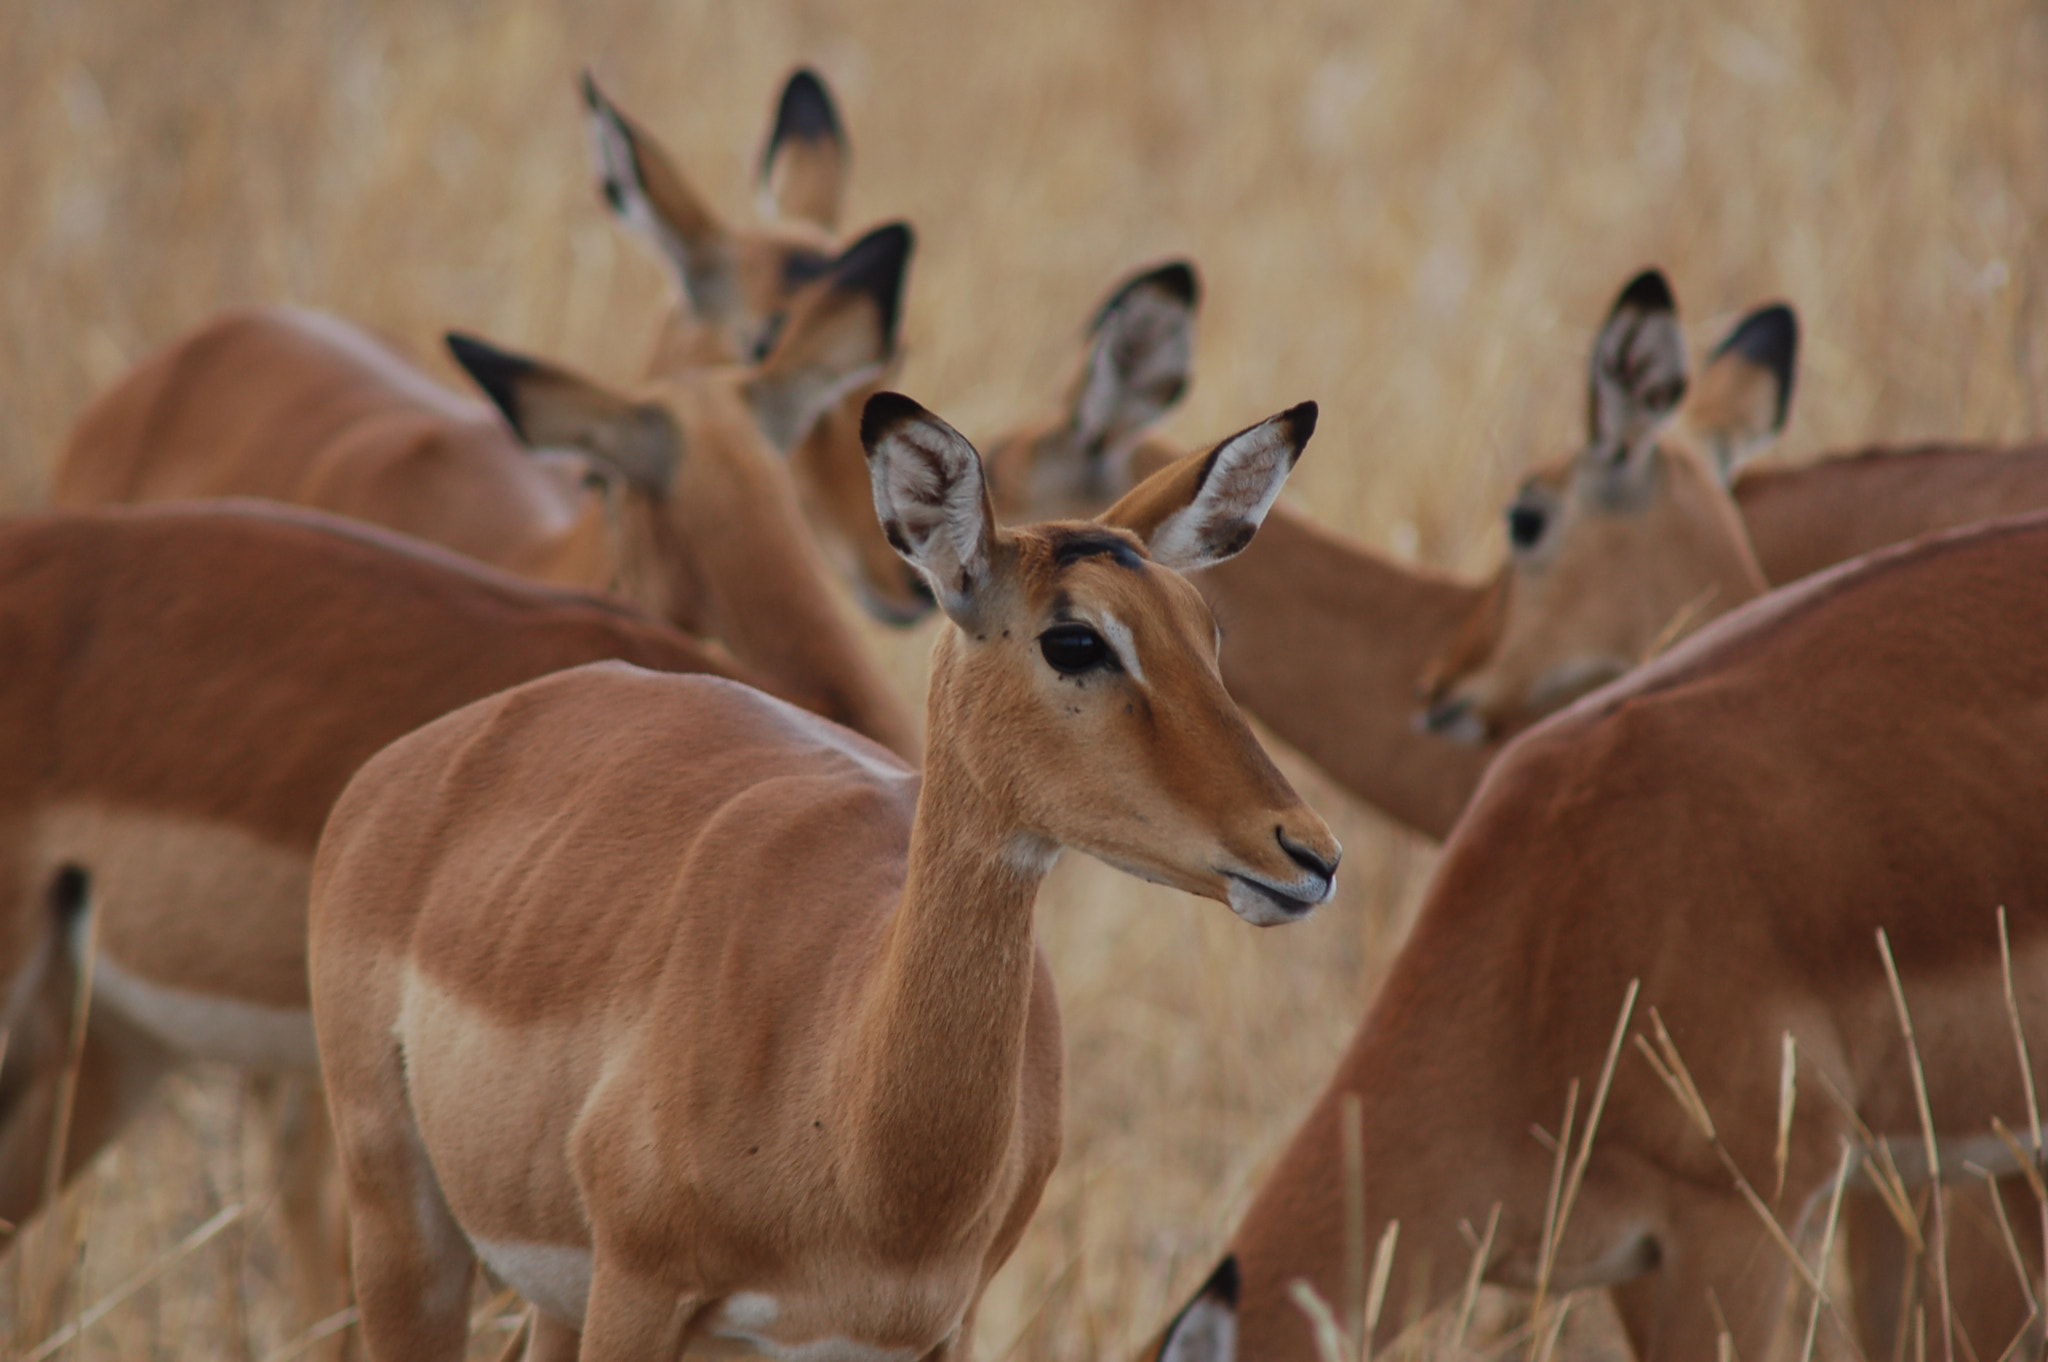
(1414,211)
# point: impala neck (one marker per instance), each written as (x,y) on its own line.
(1325,641)
(1425,1166)
(934,1062)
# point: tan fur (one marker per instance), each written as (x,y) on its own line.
(1730,825)
(187,690)
(299,407)
(727,1005)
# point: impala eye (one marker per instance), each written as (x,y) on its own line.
(1071,649)
(771,332)
(1526,524)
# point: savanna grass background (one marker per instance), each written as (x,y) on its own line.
(1415,212)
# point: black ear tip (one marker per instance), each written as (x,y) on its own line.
(1301,422)
(882,414)
(876,265)
(496,371)
(1647,292)
(593,100)
(1223,1283)
(806,112)
(1176,279)
(1769,338)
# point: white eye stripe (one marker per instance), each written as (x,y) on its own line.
(1126,648)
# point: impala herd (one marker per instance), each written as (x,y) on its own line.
(548,835)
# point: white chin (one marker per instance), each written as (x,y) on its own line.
(1260,910)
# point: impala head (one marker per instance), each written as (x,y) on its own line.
(736,291)
(1616,552)
(1079,691)
(709,530)
(1133,369)
(737,286)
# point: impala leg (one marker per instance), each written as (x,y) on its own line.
(412,1263)
(118,1070)
(631,1317)
(551,1340)
(309,1198)
(1715,1254)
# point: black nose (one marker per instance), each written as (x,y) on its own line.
(1305,858)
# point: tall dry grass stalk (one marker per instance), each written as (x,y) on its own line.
(1414,211)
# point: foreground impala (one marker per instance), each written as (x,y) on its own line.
(734,290)
(1731,825)
(676,498)
(711,1028)
(186,691)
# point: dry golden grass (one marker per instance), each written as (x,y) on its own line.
(1414,212)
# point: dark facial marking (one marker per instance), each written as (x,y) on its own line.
(1070,546)
(801,267)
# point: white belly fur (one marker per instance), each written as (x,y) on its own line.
(198,1026)
(554,1277)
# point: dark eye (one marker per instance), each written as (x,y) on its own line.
(1072,648)
(1525,525)
(771,332)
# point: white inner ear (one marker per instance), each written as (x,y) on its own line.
(613,150)
(1638,356)
(1244,481)
(1140,359)
(1205,1332)
(927,483)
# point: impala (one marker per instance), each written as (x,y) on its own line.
(1731,825)
(733,295)
(674,497)
(187,689)
(712,1027)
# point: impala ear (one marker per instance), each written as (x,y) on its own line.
(1639,367)
(932,500)
(803,167)
(1141,345)
(1745,392)
(840,336)
(1205,508)
(644,190)
(550,407)
(1206,1328)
